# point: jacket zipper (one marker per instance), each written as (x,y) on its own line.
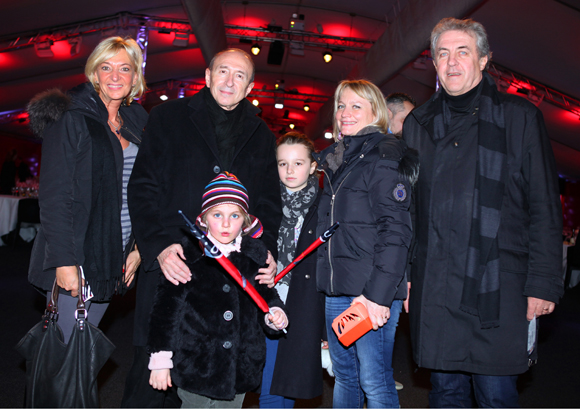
(331,223)
(135,136)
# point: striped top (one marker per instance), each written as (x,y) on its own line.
(129,155)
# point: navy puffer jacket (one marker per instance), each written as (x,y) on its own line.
(370,195)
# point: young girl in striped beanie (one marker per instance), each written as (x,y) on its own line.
(207,336)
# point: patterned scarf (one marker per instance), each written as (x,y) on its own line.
(294,208)
(481,286)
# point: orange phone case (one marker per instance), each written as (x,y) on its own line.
(352,324)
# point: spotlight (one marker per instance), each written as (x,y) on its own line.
(255,102)
(163,97)
(306,106)
(181,39)
(181,93)
(291,126)
(286,113)
(44,49)
(256,49)
(280,84)
(279,104)
(328,135)
(327,57)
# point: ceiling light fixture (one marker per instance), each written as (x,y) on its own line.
(256,49)
(255,102)
(163,97)
(291,126)
(306,107)
(44,49)
(328,135)
(279,104)
(181,39)
(75,45)
(327,56)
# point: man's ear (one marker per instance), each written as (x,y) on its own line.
(207,77)
(249,88)
(482,63)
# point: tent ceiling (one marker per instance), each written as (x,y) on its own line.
(535,38)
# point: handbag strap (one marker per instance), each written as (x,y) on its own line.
(81,313)
(51,312)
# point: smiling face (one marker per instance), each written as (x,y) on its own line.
(457,62)
(225,222)
(115,77)
(229,79)
(353,113)
(294,166)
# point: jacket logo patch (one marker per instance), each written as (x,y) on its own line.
(399,192)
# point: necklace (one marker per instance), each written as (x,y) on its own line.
(116,127)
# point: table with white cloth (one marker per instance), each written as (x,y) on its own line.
(9,218)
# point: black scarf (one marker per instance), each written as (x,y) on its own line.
(103,247)
(481,286)
(294,206)
(228,126)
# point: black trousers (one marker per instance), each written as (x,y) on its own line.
(138,393)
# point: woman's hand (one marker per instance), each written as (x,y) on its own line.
(67,277)
(378,314)
(160,379)
(131,264)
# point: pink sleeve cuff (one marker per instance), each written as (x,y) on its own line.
(161,360)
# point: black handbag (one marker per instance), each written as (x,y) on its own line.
(58,374)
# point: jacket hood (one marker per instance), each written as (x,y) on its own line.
(49,106)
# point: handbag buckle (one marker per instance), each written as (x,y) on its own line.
(81,315)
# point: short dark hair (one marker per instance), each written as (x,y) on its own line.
(396,100)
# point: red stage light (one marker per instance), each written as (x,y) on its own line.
(61,49)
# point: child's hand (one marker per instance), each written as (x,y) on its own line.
(160,379)
(277,319)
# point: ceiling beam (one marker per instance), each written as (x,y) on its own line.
(402,41)
(207,22)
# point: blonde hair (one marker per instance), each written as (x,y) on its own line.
(109,48)
(369,91)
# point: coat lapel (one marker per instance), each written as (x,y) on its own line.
(203,124)
(251,123)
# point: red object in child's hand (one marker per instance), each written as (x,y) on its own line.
(352,324)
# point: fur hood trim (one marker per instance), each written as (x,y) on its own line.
(409,166)
(46,107)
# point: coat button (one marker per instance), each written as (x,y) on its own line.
(216,169)
(226,288)
(310,231)
(228,315)
(227,345)
(307,276)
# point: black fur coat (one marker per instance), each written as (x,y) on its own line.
(215,330)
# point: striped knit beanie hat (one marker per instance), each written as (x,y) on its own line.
(227,188)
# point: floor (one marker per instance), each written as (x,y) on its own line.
(553,382)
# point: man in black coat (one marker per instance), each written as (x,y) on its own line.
(191,141)
(487,251)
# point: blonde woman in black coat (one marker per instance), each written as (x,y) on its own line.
(90,139)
